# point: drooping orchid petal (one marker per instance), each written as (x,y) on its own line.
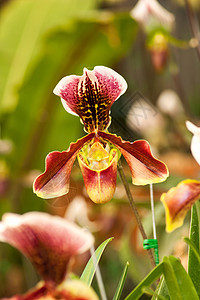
(54,182)
(149,13)
(195,143)
(101,174)
(48,241)
(91,95)
(144,167)
(178,200)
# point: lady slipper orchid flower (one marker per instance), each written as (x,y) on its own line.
(91,96)
(49,242)
(150,14)
(195,144)
(178,200)
(157,22)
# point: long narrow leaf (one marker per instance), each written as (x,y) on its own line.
(161,291)
(171,281)
(121,283)
(150,292)
(193,247)
(193,261)
(89,271)
(151,277)
(182,287)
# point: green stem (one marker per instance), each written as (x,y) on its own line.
(135,211)
(194,25)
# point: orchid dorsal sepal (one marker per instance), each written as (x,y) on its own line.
(91,95)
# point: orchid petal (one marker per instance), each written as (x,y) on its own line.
(195,143)
(48,241)
(178,200)
(100,184)
(54,182)
(91,95)
(145,169)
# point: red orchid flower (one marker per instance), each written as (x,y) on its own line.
(49,242)
(91,96)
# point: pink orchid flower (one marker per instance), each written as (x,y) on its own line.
(49,242)
(91,96)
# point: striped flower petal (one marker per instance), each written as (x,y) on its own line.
(54,182)
(48,241)
(178,200)
(91,95)
(144,167)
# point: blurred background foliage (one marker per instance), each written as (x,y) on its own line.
(40,42)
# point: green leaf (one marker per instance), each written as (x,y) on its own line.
(179,283)
(150,292)
(90,269)
(121,283)
(23,23)
(171,281)
(194,249)
(161,291)
(151,277)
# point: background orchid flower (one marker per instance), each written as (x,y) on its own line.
(91,96)
(178,200)
(195,143)
(150,14)
(157,22)
(49,242)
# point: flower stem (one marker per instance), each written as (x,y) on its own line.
(153,212)
(135,211)
(193,24)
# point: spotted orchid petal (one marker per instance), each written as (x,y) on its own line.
(54,182)
(145,169)
(195,143)
(91,95)
(149,13)
(48,241)
(99,172)
(178,200)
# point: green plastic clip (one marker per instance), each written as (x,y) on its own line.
(152,244)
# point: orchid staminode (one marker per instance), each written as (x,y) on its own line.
(91,96)
(49,242)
